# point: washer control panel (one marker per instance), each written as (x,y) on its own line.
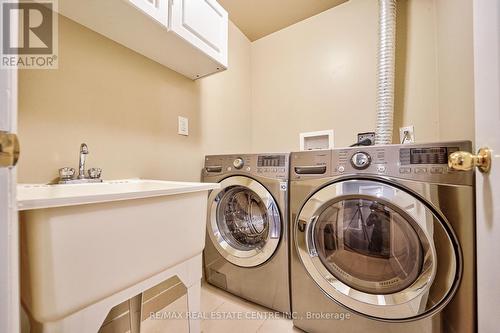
(418,162)
(272,164)
(265,165)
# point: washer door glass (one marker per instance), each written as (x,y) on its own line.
(244,221)
(378,250)
(368,245)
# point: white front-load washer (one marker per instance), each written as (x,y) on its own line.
(382,240)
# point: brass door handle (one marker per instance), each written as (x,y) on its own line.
(9,149)
(465,161)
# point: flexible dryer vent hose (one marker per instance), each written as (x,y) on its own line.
(386,71)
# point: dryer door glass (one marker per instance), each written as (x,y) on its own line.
(368,245)
(242,219)
(378,249)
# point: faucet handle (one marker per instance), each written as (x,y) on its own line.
(66,173)
(94,173)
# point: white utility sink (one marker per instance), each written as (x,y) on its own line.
(85,247)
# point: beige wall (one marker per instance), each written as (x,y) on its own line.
(456,69)
(125,107)
(416,99)
(321,74)
(226,102)
(317,74)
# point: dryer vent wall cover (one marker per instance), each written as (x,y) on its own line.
(317,140)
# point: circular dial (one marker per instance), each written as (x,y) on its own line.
(238,163)
(360,160)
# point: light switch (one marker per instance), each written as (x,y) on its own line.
(183,128)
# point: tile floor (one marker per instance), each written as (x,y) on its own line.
(253,318)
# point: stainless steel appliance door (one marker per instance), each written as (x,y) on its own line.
(244,222)
(378,250)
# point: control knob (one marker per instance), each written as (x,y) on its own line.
(361,160)
(238,163)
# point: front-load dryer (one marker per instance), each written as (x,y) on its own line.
(382,240)
(246,251)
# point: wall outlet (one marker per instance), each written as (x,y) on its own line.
(183,127)
(407,134)
(367,135)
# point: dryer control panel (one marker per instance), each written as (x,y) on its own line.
(419,162)
(266,165)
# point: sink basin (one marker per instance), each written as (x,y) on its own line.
(83,243)
(36,196)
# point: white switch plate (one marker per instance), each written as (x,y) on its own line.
(183,127)
(409,137)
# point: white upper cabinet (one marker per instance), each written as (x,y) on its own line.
(203,23)
(188,36)
(157,9)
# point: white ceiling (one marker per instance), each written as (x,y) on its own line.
(258,18)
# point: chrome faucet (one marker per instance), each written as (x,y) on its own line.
(68,175)
(84,151)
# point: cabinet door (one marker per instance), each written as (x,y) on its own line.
(157,9)
(204,24)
